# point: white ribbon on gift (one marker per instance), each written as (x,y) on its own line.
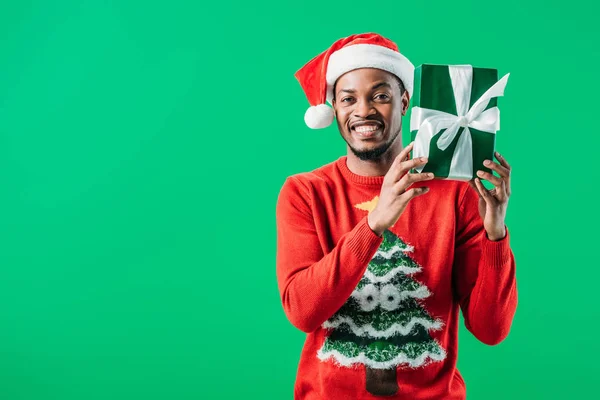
(429,122)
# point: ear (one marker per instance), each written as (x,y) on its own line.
(333,107)
(405,102)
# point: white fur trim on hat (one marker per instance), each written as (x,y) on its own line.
(319,116)
(368,56)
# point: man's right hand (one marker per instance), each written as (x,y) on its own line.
(395,195)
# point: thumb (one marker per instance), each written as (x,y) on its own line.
(474,187)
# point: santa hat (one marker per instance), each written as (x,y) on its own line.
(365,50)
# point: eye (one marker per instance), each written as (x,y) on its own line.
(382,96)
(346,99)
(390,297)
(367,297)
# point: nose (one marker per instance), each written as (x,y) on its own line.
(364,108)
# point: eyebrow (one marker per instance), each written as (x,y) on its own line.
(375,86)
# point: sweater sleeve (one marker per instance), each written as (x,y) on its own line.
(314,285)
(484,275)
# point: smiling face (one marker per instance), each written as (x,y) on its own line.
(369,104)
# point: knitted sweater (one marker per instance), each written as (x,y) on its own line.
(382,313)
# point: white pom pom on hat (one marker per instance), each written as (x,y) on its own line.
(319,116)
(365,50)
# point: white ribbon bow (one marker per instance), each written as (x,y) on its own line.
(429,122)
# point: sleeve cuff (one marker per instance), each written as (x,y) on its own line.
(364,243)
(495,253)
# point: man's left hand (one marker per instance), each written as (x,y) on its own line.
(493,202)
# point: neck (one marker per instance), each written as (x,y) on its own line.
(377,167)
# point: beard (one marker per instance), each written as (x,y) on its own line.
(376,153)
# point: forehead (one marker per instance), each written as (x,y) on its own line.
(363,77)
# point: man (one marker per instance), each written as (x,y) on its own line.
(374,261)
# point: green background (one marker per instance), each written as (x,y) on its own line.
(142,149)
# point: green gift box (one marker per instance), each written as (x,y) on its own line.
(454,118)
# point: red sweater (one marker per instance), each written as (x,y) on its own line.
(389,304)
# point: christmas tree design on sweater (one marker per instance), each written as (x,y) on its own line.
(383,324)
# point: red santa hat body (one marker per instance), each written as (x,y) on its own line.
(365,50)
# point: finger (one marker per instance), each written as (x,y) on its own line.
(501,191)
(503,161)
(407,180)
(506,165)
(501,170)
(399,170)
(404,154)
(485,194)
(490,177)
(413,192)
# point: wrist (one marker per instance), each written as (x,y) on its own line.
(374,227)
(496,234)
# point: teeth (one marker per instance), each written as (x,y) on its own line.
(366,128)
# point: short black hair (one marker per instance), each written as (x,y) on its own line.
(400,85)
